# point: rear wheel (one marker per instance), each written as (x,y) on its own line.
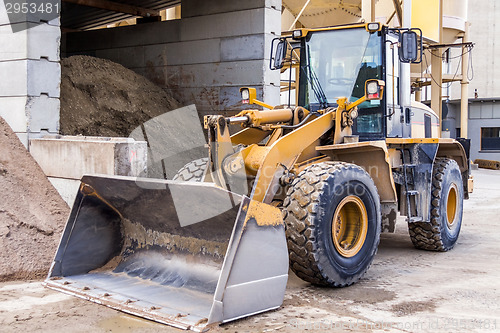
(442,232)
(332,214)
(194,171)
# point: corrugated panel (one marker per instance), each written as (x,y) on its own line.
(321,13)
(82,17)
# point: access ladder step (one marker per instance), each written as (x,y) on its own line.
(412,192)
(413,219)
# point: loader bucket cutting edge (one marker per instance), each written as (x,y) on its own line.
(183,254)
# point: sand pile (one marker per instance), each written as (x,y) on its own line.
(32,214)
(103,98)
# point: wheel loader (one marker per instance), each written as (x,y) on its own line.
(308,187)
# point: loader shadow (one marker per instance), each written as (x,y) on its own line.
(398,241)
(391,242)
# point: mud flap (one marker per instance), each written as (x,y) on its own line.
(184,254)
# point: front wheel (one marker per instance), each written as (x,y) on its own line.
(193,171)
(333,223)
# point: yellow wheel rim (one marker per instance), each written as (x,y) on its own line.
(451,205)
(349,226)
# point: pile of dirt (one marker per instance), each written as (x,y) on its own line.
(32,213)
(103,98)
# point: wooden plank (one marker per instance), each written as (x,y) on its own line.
(487,164)
(403,141)
(116,7)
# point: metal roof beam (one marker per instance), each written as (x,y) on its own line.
(399,11)
(117,7)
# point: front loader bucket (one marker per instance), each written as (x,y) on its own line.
(184,254)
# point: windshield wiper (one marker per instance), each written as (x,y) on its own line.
(316,84)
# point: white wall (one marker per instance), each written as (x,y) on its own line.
(485,33)
(30,76)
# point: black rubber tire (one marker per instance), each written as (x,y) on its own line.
(308,211)
(193,171)
(438,235)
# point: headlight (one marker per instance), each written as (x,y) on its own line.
(372,27)
(297,34)
(372,87)
(245,95)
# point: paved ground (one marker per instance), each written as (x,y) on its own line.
(406,290)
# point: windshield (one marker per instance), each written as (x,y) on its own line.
(339,62)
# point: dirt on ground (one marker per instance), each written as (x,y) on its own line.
(102,98)
(32,213)
(405,290)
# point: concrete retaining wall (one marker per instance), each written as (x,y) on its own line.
(31,75)
(203,58)
(65,159)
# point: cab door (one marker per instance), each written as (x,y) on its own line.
(395,114)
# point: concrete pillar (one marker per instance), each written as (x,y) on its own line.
(368,10)
(31,75)
(464,85)
(437,74)
(418,94)
(436,84)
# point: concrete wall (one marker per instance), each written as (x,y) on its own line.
(485,34)
(202,58)
(66,159)
(30,76)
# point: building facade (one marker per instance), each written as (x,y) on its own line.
(484,86)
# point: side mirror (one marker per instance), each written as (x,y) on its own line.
(278,53)
(374,89)
(409,47)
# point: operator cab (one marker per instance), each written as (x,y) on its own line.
(336,62)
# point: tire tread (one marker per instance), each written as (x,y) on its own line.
(192,171)
(425,235)
(301,207)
